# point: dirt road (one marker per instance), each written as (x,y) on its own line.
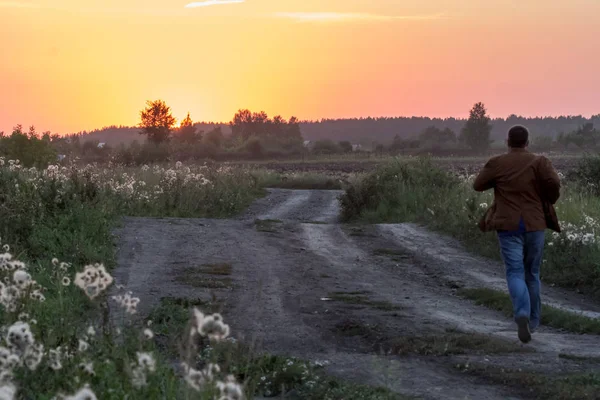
(303,285)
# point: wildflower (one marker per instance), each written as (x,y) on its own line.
(6,248)
(93,280)
(23,316)
(83,346)
(66,281)
(197,379)
(230,389)
(55,261)
(19,336)
(83,394)
(33,356)
(148,334)
(91,331)
(147,361)
(87,367)
(178,164)
(7,391)
(54,356)
(483,205)
(21,278)
(127,302)
(211,326)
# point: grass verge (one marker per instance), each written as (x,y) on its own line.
(361,298)
(532,385)
(450,344)
(263,374)
(421,192)
(300,181)
(551,316)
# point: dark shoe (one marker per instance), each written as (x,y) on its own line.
(524,332)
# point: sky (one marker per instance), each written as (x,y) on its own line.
(72,65)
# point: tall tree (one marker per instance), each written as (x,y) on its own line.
(293,130)
(187,131)
(157,121)
(477,130)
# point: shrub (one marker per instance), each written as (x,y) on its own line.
(421,192)
(587,173)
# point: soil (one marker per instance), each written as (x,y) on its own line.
(303,285)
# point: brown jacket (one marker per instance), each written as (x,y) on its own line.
(525,185)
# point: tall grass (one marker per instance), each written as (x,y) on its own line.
(443,201)
(57,339)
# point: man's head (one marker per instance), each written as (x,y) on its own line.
(518,137)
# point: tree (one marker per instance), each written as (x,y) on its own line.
(326,146)
(157,121)
(293,130)
(187,132)
(30,148)
(477,130)
(437,136)
(345,146)
(215,137)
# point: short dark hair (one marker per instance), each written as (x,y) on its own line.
(518,136)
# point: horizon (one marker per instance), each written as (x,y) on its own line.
(76,68)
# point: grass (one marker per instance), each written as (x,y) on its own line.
(421,192)
(354,328)
(533,385)
(216,269)
(300,181)
(360,298)
(267,225)
(264,374)
(551,316)
(197,277)
(573,357)
(449,344)
(70,214)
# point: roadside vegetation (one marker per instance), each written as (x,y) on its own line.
(59,339)
(442,200)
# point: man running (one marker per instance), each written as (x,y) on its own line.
(526,187)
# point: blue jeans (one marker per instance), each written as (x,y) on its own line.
(522,255)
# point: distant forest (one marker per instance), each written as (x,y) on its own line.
(369,131)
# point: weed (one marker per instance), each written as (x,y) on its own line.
(216,269)
(267,225)
(537,386)
(360,298)
(421,192)
(551,316)
(448,344)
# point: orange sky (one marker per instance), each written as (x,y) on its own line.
(67,67)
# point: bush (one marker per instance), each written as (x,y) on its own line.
(396,191)
(421,192)
(587,173)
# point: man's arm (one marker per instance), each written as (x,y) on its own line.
(487,177)
(549,181)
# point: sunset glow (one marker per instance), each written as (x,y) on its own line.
(69,65)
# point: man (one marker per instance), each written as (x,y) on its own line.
(526,187)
